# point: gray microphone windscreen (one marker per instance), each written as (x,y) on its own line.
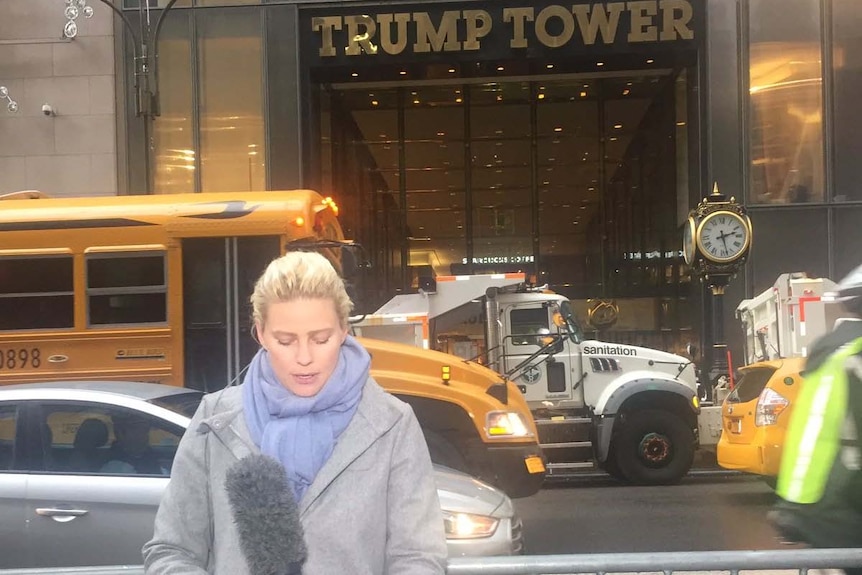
(266,516)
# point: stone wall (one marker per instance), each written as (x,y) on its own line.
(74,152)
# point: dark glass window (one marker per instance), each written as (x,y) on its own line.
(106,440)
(126,289)
(529,326)
(847,236)
(769,259)
(750,385)
(36,293)
(8,428)
(124,271)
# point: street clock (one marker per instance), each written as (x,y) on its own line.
(716,236)
(716,241)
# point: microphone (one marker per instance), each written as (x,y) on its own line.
(266,516)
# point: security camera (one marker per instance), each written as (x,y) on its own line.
(47,110)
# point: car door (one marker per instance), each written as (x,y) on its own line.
(13,486)
(93,504)
(547,375)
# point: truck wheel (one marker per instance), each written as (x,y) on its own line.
(444,453)
(654,447)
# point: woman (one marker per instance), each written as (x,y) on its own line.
(355,457)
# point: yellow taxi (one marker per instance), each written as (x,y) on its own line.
(755,415)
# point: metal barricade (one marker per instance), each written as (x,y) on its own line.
(800,560)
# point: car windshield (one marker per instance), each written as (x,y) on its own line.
(182,403)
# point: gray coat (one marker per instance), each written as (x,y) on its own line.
(372,509)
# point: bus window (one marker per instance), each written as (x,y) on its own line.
(36,292)
(126,288)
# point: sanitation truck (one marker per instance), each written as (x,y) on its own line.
(630,410)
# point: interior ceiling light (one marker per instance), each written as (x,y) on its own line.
(403,72)
(549,66)
(451,70)
(500,68)
(354,74)
(650,61)
(600,63)
(618,126)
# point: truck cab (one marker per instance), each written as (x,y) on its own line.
(630,409)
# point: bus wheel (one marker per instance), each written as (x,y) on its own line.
(444,453)
(654,447)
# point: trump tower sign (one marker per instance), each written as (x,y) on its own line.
(443,31)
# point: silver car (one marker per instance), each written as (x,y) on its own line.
(80,482)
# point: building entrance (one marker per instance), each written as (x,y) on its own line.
(578,180)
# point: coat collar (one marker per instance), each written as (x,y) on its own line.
(374,416)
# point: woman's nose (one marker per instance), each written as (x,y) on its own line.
(303,354)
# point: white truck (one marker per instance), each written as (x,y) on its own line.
(785,319)
(630,410)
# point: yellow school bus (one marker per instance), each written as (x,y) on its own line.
(156,288)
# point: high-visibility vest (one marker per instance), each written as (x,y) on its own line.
(816,428)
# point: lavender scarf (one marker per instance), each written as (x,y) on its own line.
(301,432)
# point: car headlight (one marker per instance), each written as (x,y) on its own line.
(468,525)
(507,424)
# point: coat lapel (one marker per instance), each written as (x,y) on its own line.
(368,424)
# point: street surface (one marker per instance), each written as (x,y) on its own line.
(603,516)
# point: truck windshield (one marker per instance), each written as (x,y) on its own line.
(571,324)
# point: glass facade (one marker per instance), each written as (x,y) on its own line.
(571,179)
(786,102)
(576,165)
(209,134)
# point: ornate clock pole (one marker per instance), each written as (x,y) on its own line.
(716,242)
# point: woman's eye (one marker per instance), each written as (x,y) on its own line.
(285,342)
(321,341)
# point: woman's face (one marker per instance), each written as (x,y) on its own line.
(303,338)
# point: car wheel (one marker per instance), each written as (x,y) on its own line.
(653,447)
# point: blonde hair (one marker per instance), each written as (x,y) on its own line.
(298,275)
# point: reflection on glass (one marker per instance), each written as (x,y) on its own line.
(435,178)
(173,131)
(501,159)
(786,106)
(231,101)
(847,86)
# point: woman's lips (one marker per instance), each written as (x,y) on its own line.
(304,379)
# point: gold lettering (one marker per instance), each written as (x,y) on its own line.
(606,22)
(444,38)
(673,27)
(325,25)
(560,39)
(642,13)
(518,16)
(474,29)
(385,26)
(358,41)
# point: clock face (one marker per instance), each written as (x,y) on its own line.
(723,236)
(688,245)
